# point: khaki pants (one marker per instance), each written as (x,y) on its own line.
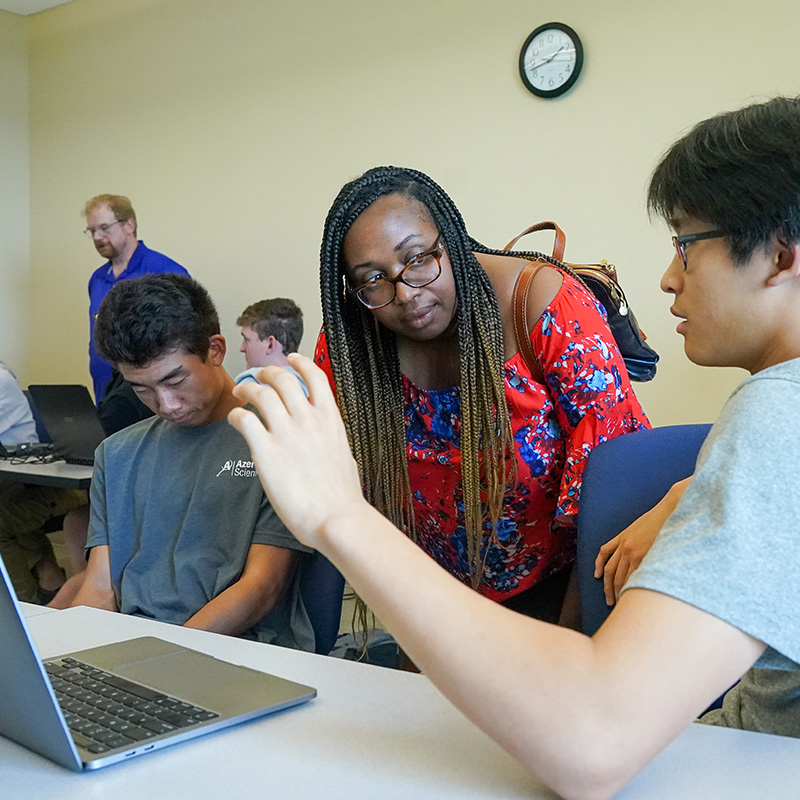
(24,509)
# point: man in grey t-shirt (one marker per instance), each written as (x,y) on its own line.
(181,530)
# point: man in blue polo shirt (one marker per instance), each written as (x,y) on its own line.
(111,225)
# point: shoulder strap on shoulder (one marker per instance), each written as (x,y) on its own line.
(520,303)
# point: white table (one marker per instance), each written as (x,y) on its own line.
(33,610)
(55,473)
(371,733)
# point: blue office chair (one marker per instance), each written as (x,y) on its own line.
(322,588)
(624,477)
(41,431)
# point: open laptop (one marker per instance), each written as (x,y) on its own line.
(159,691)
(70,417)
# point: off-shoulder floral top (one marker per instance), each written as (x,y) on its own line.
(588,399)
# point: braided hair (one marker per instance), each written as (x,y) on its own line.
(366,368)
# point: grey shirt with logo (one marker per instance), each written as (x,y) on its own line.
(179,509)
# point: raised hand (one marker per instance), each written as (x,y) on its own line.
(302,455)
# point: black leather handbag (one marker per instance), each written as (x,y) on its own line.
(601,280)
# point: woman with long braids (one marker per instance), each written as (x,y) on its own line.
(457,443)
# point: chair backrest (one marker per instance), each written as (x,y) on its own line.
(41,431)
(322,588)
(624,478)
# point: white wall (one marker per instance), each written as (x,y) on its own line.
(232,125)
(15,316)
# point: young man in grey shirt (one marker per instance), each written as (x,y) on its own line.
(180,529)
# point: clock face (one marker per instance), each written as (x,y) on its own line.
(551,60)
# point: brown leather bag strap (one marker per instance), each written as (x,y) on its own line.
(520,304)
(559,244)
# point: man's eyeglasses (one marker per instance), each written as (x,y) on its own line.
(681,242)
(102,229)
(421,270)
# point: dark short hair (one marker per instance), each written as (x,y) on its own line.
(279,317)
(146,318)
(738,171)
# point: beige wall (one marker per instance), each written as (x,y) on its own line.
(14,191)
(232,125)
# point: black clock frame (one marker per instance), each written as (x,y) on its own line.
(570,82)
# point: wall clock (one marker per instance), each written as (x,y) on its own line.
(551,60)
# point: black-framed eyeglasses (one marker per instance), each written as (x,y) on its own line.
(681,242)
(103,229)
(421,270)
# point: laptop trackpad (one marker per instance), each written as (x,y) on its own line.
(195,677)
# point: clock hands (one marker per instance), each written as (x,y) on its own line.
(547,60)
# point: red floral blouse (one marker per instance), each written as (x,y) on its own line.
(588,399)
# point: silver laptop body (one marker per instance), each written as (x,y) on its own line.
(225,694)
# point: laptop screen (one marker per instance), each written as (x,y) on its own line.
(70,417)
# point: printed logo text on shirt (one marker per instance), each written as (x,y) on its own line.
(238,468)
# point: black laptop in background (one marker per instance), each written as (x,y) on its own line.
(70,417)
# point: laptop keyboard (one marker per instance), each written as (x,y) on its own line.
(105,712)
(80,460)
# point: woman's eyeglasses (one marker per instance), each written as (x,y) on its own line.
(421,270)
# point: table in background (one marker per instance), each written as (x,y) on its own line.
(371,733)
(54,473)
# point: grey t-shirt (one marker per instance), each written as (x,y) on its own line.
(179,509)
(732,546)
(250,376)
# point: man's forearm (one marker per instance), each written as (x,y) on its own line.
(232,612)
(261,586)
(97,589)
(451,633)
(89,595)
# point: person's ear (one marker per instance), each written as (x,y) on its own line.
(785,262)
(217,349)
(271,343)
